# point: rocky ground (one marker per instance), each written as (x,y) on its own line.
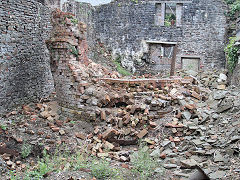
(173,131)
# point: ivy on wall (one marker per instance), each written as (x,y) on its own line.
(231,54)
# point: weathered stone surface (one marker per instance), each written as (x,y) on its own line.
(195,32)
(24,60)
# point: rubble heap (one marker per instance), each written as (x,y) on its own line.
(80,83)
(124,111)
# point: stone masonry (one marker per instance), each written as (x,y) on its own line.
(129,28)
(84,89)
(24,60)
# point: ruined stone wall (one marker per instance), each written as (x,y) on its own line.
(125,26)
(84,13)
(75,76)
(24,61)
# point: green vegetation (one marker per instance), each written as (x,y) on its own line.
(120,69)
(3,127)
(169,20)
(135,1)
(73,50)
(63,160)
(102,170)
(234,8)
(231,54)
(26,150)
(143,163)
(74,21)
(72,18)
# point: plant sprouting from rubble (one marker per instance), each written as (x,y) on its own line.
(143,163)
(3,127)
(43,167)
(26,150)
(135,1)
(101,169)
(231,54)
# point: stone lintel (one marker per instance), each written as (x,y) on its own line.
(161,42)
(177,2)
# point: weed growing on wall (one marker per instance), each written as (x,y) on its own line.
(73,50)
(231,54)
(120,69)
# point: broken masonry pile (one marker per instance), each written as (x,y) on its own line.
(127,110)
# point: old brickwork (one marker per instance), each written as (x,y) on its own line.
(75,76)
(128,27)
(84,13)
(24,61)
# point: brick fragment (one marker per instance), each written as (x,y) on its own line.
(142,133)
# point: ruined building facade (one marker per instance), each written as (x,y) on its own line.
(138,32)
(144,35)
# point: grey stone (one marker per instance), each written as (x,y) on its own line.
(159,170)
(3,166)
(187,115)
(188,163)
(215,116)
(217,175)
(218,157)
(226,104)
(165,143)
(191,72)
(223,77)
(155,153)
(197,142)
(170,166)
(219,94)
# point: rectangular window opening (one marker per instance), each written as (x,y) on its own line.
(170,14)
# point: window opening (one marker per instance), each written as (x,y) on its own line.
(170,14)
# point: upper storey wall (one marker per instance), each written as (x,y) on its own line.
(24,59)
(127,26)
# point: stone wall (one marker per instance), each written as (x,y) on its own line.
(128,26)
(24,61)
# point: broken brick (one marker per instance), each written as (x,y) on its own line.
(103,115)
(195,95)
(142,133)
(108,133)
(55,129)
(80,135)
(152,124)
